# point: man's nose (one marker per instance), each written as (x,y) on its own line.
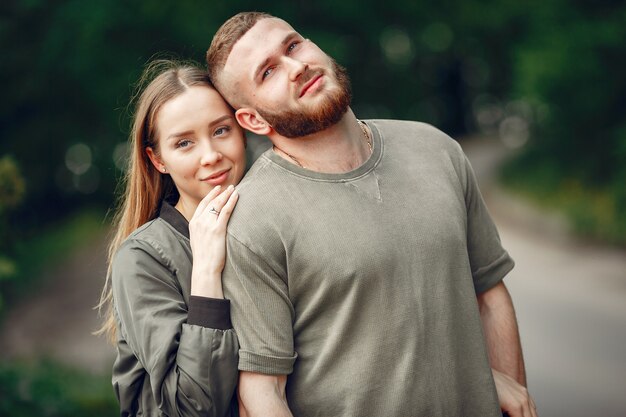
(296,68)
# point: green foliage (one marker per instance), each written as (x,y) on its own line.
(593,212)
(12,190)
(571,66)
(12,185)
(45,249)
(47,389)
(71,67)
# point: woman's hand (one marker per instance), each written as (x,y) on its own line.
(207,233)
(515,401)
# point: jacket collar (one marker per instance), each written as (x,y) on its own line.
(174,218)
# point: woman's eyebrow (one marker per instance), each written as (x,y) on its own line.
(220,119)
(179,134)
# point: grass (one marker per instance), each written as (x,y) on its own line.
(592,212)
(47,389)
(47,249)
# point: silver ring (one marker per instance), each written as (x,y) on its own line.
(213,211)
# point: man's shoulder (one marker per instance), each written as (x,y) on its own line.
(401,124)
(419,134)
(260,178)
(263,196)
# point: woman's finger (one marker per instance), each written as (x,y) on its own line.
(218,202)
(207,199)
(228,208)
(213,202)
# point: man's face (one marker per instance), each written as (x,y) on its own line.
(294,85)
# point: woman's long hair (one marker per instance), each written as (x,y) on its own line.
(143,186)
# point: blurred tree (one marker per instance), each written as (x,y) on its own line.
(12,189)
(456,64)
(570,68)
(45,389)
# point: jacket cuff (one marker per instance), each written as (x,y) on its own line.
(208,312)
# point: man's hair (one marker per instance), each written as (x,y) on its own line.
(225,38)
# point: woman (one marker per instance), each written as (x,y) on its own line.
(176,349)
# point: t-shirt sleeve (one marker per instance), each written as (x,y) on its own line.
(489,261)
(261,311)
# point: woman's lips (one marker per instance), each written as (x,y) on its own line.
(219,178)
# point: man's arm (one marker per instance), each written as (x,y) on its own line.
(501,332)
(505,351)
(262,395)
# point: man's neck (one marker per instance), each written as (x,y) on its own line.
(340,148)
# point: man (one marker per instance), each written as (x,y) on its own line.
(358,251)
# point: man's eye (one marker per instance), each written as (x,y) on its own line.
(267,72)
(292,46)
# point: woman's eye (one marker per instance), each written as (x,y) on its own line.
(183,143)
(221,131)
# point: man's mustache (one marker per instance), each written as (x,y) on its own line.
(307,76)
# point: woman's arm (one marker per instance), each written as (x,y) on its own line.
(189,352)
(191,366)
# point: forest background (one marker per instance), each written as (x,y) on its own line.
(545,77)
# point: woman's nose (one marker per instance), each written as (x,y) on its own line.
(210,155)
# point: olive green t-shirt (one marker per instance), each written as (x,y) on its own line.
(362,286)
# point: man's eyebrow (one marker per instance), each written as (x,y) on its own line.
(289,37)
(267,60)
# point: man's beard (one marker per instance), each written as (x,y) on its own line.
(306,121)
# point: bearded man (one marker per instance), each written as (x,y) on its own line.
(362,263)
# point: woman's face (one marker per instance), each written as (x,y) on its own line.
(200,144)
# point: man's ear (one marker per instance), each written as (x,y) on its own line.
(156,161)
(251,120)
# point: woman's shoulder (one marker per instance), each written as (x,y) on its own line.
(157,238)
(150,232)
(143,240)
(151,250)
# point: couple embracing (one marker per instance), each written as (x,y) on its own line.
(356,259)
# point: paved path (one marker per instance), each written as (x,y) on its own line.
(57,320)
(570,298)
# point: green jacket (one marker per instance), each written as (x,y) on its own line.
(176,354)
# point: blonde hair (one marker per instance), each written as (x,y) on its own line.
(144,188)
